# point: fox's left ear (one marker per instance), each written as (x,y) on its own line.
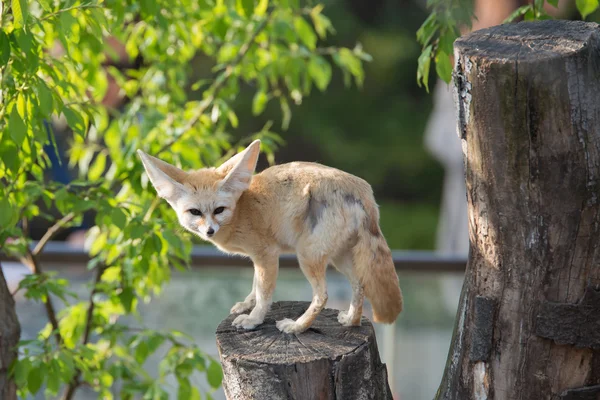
(239,169)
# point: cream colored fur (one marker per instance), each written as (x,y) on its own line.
(322,214)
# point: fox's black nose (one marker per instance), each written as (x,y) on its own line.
(210,231)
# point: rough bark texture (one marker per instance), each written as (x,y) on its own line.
(326,362)
(528,102)
(10,332)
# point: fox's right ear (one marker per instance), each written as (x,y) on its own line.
(165,177)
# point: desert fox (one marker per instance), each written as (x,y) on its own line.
(322,214)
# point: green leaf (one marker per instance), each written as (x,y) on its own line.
(118,218)
(214,374)
(127,296)
(185,390)
(233,119)
(141,352)
(306,32)
(553,3)
(446,43)
(20,12)
(259,102)
(35,378)
(320,71)
(45,98)
(443,66)
(4,48)
(350,63)
(586,7)
(287,113)
(322,23)
(17,128)
(427,29)
(75,120)
(424,64)
(22,368)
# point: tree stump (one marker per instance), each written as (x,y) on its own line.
(528,323)
(328,361)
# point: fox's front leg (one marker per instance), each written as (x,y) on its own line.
(266,268)
(314,270)
(249,302)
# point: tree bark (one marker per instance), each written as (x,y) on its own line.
(326,362)
(528,323)
(10,332)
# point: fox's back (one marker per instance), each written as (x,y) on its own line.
(304,202)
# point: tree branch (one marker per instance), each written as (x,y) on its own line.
(75,383)
(219,82)
(53,230)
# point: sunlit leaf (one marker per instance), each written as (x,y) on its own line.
(305,32)
(320,71)
(259,102)
(97,168)
(20,11)
(245,7)
(586,7)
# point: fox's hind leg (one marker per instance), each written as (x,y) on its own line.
(314,270)
(249,302)
(352,316)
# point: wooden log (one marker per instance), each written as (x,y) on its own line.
(528,100)
(326,362)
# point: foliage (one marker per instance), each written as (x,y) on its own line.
(52,56)
(439,31)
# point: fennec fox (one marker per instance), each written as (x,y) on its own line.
(320,213)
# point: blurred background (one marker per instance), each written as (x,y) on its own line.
(392,133)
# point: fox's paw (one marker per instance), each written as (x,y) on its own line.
(246,321)
(345,319)
(241,306)
(289,326)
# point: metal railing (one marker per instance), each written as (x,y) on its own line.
(62,255)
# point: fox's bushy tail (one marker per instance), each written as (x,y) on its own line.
(375,267)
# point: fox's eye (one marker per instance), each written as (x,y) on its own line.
(219,210)
(195,211)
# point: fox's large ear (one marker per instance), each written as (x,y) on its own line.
(239,169)
(165,177)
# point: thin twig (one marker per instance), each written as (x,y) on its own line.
(32,261)
(79,7)
(75,383)
(219,82)
(53,230)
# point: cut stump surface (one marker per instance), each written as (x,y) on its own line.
(328,361)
